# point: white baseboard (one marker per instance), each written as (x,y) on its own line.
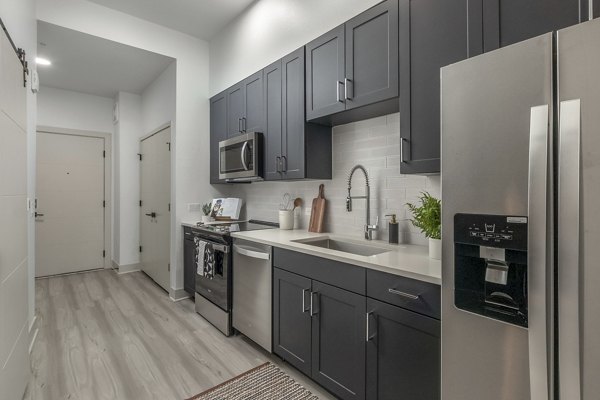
(125,269)
(178,294)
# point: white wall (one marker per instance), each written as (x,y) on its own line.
(67,109)
(190,147)
(159,101)
(19,19)
(270,29)
(128,130)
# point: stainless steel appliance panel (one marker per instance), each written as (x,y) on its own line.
(252,291)
(487,106)
(579,219)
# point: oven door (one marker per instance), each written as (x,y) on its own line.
(217,287)
(238,158)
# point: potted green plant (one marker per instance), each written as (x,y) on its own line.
(206,209)
(427,217)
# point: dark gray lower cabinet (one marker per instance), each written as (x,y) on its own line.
(351,344)
(338,340)
(189,262)
(291,319)
(403,354)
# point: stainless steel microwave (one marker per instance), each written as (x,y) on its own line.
(240,158)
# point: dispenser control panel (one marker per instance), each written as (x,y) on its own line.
(507,232)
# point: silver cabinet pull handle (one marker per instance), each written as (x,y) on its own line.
(239,125)
(244,123)
(404,294)
(402,150)
(337,91)
(347,83)
(367,337)
(283,164)
(312,310)
(304,300)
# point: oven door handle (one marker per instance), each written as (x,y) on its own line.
(243,155)
(245,251)
(218,247)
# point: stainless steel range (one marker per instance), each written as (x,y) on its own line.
(214,275)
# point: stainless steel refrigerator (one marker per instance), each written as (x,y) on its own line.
(521,221)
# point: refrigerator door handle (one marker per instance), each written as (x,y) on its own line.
(538,259)
(569,175)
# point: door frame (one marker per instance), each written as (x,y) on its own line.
(108,211)
(178,294)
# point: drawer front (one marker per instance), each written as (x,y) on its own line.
(411,294)
(345,276)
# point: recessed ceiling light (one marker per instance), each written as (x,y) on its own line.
(42,61)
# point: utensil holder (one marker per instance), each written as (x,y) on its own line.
(286,219)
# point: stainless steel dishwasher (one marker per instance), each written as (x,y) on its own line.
(252,291)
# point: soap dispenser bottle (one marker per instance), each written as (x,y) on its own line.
(393,229)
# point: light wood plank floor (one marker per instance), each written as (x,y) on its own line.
(109,336)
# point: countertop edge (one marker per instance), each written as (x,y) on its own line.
(398,271)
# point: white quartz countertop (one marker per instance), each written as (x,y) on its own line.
(406,260)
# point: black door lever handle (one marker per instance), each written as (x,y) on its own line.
(152,214)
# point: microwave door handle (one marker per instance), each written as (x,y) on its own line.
(243,155)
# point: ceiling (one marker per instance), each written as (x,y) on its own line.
(89,64)
(199,18)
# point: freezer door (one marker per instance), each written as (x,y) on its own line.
(496,151)
(579,212)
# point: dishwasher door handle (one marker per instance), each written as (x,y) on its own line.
(249,252)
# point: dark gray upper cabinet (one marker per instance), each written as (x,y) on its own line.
(403,354)
(218,132)
(325,74)
(433,34)
(273,121)
(372,56)
(245,106)
(235,109)
(506,22)
(338,341)
(294,149)
(253,118)
(352,71)
(291,319)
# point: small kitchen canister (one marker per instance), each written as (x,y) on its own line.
(286,219)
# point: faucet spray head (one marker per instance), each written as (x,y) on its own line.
(348,202)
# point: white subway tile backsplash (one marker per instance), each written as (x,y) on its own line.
(372,143)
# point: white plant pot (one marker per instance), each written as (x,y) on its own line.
(206,218)
(435,249)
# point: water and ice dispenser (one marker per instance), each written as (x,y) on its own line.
(490,266)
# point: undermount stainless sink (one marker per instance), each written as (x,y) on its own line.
(346,247)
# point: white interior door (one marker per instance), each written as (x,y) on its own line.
(70,203)
(155,225)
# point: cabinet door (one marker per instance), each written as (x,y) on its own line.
(372,55)
(253,118)
(403,354)
(294,120)
(218,132)
(325,74)
(273,121)
(235,109)
(189,266)
(510,21)
(291,319)
(338,340)
(433,34)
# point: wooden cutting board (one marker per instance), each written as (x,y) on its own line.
(317,214)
